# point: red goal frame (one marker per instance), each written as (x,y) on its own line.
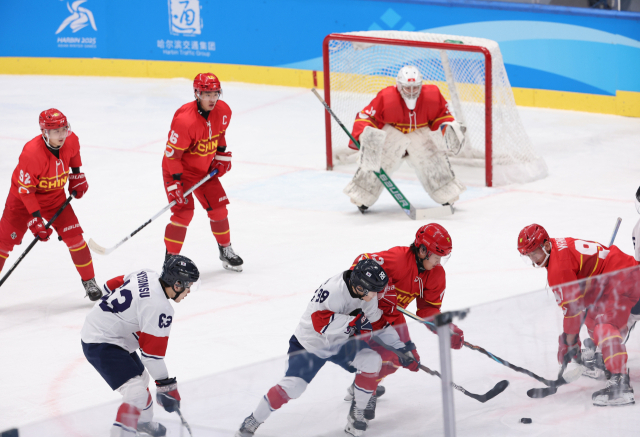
(429,45)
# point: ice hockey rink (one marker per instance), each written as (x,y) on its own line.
(294,229)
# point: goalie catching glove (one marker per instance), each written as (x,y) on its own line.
(409,358)
(167,394)
(454,137)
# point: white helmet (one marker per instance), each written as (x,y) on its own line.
(409,85)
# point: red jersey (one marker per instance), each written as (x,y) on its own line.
(193,141)
(427,287)
(572,259)
(388,107)
(40,177)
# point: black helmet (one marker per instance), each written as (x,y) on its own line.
(179,270)
(369,275)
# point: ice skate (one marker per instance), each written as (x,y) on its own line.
(617,392)
(356,423)
(380,390)
(92,289)
(153,429)
(370,409)
(230,260)
(248,427)
(592,361)
(363,208)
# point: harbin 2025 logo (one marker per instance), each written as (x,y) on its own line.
(184,17)
(80,17)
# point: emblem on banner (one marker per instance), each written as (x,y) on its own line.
(184,17)
(80,18)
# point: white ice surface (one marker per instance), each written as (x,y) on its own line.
(294,228)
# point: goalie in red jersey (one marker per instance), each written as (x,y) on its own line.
(415,273)
(37,193)
(606,304)
(402,122)
(197,146)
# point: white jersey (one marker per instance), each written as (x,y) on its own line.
(636,240)
(134,313)
(324,326)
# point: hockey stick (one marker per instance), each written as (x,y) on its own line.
(495,391)
(499,360)
(103,251)
(386,181)
(35,240)
(538,393)
(184,422)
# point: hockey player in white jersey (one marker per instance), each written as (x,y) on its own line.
(344,306)
(135,313)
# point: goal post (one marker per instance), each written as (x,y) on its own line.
(469,73)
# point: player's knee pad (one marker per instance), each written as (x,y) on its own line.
(74,242)
(134,391)
(182,217)
(293,386)
(218,214)
(367,361)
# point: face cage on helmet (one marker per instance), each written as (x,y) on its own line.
(411,92)
(526,258)
(198,92)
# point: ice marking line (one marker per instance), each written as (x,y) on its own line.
(53,396)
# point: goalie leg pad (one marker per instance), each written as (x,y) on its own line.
(432,167)
(365,187)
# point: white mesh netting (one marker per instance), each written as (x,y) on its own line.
(358,71)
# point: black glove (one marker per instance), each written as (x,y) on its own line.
(167,394)
(409,358)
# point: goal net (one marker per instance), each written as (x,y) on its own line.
(468,71)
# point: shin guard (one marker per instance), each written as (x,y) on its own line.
(81,257)
(220,226)
(614,353)
(364,386)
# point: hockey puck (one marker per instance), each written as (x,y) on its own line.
(526,420)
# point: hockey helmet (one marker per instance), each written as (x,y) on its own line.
(179,271)
(368,276)
(435,239)
(638,200)
(409,85)
(205,82)
(52,119)
(531,237)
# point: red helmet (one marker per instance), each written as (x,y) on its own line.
(52,119)
(531,237)
(435,238)
(206,82)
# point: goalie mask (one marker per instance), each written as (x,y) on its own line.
(409,85)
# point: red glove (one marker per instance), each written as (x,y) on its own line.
(564,348)
(36,226)
(167,394)
(457,337)
(175,192)
(222,162)
(411,358)
(78,183)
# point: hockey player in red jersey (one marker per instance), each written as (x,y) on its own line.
(415,273)
(197,145)
(136,314)
(343,306)
(37,193)
(402,122)
(604,303)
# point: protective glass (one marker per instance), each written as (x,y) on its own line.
(209,95)
(363,291)
(181,286)
(436,259)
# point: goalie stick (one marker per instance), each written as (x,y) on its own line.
(35,240)
(410,210)
(495,391)
(538,393)
(104,251)
(499,360)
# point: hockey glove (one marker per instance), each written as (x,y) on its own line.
(175,192)
(37,227)
(409,359)
(167,394)
(360,325)
(564,348)
(78,183)
(457,337)
(222,162)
